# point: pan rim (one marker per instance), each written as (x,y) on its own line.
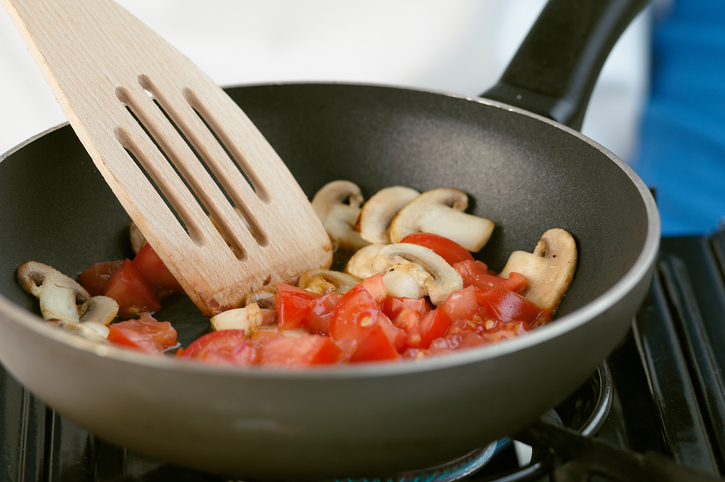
(638,271)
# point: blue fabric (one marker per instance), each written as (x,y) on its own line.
(682,146)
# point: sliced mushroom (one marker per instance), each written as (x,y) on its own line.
(435,276)
(136,237)
(401,283)
(361,263)
(99,328)
(337,204)
(58,294)
(441,211)
(264,298)
(91,330)
(378,212)
(249,319)
(99,309)
(323,281)
(549,269)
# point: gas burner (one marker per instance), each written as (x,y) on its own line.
(585,412)
(458,469)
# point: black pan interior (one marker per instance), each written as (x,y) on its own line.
(524,174)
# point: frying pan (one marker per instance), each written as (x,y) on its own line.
(522,169)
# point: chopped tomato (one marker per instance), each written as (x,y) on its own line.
(375,347)
(94,279)
(262,335)
(348,347)
(375,286)
(318,318)
(447,249)
(131,291)
(221,347)
(505,330)
(406,313)
(393,306)
(507,306)
(475,273)
(292,305)
(156,272)
(145,334)
(297,351)
(434,325)
(355,316)
(463,305)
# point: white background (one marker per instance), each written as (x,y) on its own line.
(459,46)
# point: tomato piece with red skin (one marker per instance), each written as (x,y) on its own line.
(463,305)
(299,351)
(434,325)
(406,313)
(221,347)
(508,306)
(156,272)
(415,354)
(354,315)
(516,282)
(318,318)
(94,279)
(293,304)
(376,287)
(476,274)
(392,306)
(262,336)
(348,347)
(447,249)
(131,291)
(357,313)
(409,321)
(145,334)
(375,347)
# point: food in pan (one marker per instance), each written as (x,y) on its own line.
(408,287)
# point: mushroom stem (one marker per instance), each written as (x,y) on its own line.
(435,276)
(468,230)
(441,211)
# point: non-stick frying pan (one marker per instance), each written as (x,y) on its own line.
(525,172)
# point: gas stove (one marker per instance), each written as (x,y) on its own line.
(655,410)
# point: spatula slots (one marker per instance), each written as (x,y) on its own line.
(175,150)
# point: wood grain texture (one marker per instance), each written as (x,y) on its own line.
(153,123)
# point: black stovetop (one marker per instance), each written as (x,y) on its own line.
(655,410)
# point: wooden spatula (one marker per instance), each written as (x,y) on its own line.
(175,149)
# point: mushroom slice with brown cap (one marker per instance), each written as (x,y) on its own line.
(337,204)
(264,298)
(360,264)
(441,211)
(323,281)
(378,212)
(58,294)
(434,275)
(549,269)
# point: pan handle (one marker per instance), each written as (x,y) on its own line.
(554,71)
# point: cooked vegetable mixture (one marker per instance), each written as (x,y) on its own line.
(410,289)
